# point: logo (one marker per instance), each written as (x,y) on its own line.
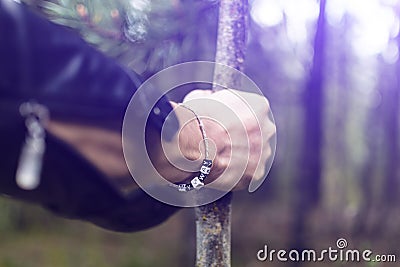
(339,254)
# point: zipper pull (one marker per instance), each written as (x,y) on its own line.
(31,157)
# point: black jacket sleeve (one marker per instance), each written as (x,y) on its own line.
(54,66)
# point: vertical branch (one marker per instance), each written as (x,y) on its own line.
(213,233)
(231,40)
(213,221)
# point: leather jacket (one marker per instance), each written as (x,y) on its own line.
(53,66)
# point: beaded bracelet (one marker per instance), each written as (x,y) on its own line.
(198,181)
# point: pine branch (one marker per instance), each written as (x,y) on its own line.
(144,35)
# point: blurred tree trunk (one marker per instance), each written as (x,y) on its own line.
(307,183)
(311,161)
(379,215)
(390,103)
(386,217)
(373,131)
(333,190)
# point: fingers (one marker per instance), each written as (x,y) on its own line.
(260,129)
(245,116)
(195,94)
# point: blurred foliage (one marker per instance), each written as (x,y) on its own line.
(144,35)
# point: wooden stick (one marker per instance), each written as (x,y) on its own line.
(213,221)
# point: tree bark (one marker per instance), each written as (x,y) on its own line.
(213,230)
(213,221)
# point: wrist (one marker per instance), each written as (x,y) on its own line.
(188,146)
(184,145)
(202,138)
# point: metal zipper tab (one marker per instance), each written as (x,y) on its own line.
(31,157)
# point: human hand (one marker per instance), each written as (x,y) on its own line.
(238,130)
